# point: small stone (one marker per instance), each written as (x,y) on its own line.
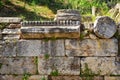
(112,78)
(11,31)
(11,37)
(64,65)
(10,20)
(13,26)
(10,77)
(92,36)
(38,77)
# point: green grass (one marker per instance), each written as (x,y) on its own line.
(54,73)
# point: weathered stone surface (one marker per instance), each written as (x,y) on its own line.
(101,65)
(17,65)
(64,65)
(29,48)
(13,26)
(50,23)
(90,47)
(112,78)
(89,25)
(22,77)
(0,34)
(74,78)
(53,47)
(10,77)
(104,27)
(68,14)
(8,48)
(50,32)
(11,37)
(38,77)
(11,31)
(10,20)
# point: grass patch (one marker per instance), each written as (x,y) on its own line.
(54,73)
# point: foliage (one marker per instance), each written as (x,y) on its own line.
(26,76)
(54,73)
(1,65)
(88,73)
(43,78)
(1,3)
(46,56)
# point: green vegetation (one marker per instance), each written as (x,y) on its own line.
(1,65)
(88,73)
(43,78)
(46,56)
(54,73)
(46,9)
(26,76)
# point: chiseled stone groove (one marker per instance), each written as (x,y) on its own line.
(50,23)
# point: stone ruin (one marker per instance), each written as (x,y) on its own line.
(63,49)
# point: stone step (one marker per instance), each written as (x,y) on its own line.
(10,20)
(11,31)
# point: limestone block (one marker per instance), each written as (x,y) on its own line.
(104,27)
(10,77)
(74,78)
(64,65)
(68,14)
(112,78)
(53,47)
(101,65)
(37,32)
(29,48)
(10,20)
(8,48)
(13,26)
(11,37)
(11,31)
(91,47)
(0,34)
(38,77)
(17,65)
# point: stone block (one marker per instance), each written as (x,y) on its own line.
(53,47)
(10,20)
(11,31)
(64,65)
(13,26)
(101,65)
(11,37)
(29,48)
(37,32)
(74,78)
(10,77)
(112,78)
(38,77)
(17,65)
(8,48)
(90,47)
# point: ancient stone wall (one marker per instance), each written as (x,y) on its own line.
(60,52)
